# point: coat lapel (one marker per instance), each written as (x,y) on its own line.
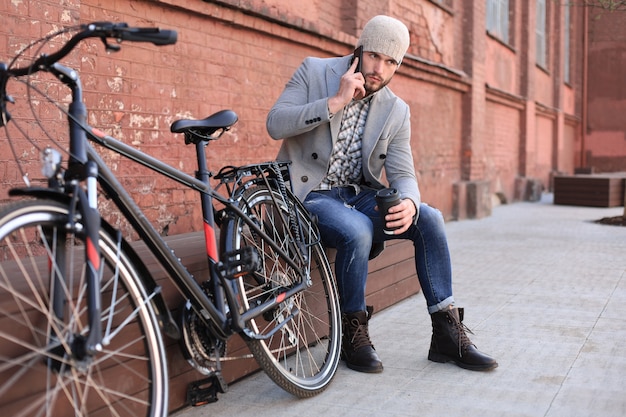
(333,78)
(379,112)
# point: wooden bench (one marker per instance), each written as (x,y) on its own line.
(594,190)
(392,278)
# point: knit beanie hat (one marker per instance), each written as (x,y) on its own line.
(385,35)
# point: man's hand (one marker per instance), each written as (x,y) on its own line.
(351,86)
(401,216)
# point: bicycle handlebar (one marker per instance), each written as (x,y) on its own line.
(155,35)
(103,30)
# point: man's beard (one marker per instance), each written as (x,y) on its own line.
(369,91)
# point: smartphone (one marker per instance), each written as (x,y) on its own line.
(358,53)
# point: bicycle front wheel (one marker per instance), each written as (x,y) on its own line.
(298,343)
(44,367)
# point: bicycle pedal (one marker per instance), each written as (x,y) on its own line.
(205,391)
(239,262)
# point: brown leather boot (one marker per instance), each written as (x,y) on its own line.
(357,349)
(450,342)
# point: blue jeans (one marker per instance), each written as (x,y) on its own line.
(349,223)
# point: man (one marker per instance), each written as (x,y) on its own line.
(341,128)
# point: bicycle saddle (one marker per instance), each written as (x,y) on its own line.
(223,119)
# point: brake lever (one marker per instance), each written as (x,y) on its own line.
(109,47)
(5,98)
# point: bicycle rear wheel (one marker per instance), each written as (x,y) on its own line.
(302,356)
(44,369)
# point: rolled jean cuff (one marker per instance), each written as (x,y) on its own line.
(441,305)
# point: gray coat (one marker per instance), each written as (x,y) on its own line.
(300,118)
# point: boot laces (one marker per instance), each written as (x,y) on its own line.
(463,339)
(360,337)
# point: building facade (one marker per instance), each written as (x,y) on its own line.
(496,88)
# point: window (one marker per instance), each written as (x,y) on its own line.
(540,35)
(566,52)
(498,19)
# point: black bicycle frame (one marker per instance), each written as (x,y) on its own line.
(82,155)
(172,264)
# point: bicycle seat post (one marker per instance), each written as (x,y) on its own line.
(204,175)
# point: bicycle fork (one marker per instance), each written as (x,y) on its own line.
(92,257)
(83,219)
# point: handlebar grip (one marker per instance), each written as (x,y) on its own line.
(154,35)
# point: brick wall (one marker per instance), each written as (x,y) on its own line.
(605,144)
(502,127)
(228,59)
(239,55)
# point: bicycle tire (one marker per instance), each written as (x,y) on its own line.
(42,370)
(302,356)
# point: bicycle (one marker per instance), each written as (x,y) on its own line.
(81,319)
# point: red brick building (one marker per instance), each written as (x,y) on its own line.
(498,100)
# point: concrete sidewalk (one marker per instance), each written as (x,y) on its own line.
(544,290)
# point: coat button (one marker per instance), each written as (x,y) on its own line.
(314,155)
(304,178)
(382,156)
